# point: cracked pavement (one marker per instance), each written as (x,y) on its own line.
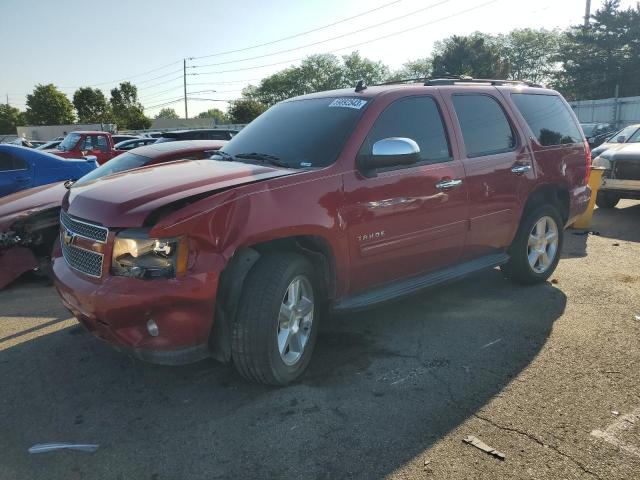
(390,393)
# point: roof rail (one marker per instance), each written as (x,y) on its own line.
(453,79)
(465,79)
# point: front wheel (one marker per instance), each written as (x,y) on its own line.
(607,200)
(535,252)
(276,327)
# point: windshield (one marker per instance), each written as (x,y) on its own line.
(588,128)
(300,133)
(69,142)
(631,134)
(125,161)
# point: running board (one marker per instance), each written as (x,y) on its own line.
(411,285)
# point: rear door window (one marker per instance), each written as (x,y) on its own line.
(10,162)
(417,118)
(484,125)
(548,118)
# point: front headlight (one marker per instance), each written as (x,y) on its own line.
(137,255)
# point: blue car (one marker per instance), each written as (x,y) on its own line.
(22,168)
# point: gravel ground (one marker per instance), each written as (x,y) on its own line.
(391,393)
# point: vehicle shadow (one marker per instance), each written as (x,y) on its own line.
(382,387)
(620,223)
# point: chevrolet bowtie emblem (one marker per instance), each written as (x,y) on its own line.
(68,237)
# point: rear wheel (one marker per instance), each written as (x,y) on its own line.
(276,327)
(535,252)
(607,199)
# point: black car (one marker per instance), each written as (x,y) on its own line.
(597,133)
(199,134)
(621,178)
(134,143)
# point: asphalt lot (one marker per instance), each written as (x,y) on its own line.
(531,371)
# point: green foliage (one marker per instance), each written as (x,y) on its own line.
(167,113)
(420,68)
(91,105)
(477,55)
(219,117)
(48,106)
(604,54)
(127,111)
(10,118)
(531,53)
(245,110)
(316,73)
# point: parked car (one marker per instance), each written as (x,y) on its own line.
(82,143)
(198,134)
(342,200)
(597,133)
(621,178)
(629,134)
(49,145)
(134,143)
(29,220)
(23,167)
(117,138)
(22,142)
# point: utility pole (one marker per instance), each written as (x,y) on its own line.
(7,99)
(587,13)
(184,64)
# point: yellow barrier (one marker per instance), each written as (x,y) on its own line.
(595,179)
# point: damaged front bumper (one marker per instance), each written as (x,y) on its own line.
(14,262)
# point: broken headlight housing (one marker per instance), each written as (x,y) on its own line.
(135,254)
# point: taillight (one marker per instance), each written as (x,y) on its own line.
(587,155)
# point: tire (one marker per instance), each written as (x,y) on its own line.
(523,266)
(258,346)
(607,200)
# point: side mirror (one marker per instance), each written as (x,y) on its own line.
(91,159)
(621,138)
(390,152)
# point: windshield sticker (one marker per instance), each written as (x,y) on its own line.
(356,103)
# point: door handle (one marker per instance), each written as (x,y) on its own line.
(521,169)
(22,179)
(447,184)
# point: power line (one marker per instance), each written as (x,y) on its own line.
(297,34)
(357,44)
(130,77)
(319,42)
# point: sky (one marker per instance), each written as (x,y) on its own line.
(74,43)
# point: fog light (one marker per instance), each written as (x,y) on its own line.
(152,328)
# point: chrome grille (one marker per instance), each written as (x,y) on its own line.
(84,229)
(85,261)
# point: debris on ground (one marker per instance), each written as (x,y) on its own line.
(615,412)
(638,317)
(587,232)
(476,442)
(554,281)
(498,340)
(51,447)
(616,244)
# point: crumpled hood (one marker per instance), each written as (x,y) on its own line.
(628,151)
(27,202)
(126,199)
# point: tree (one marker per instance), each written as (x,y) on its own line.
(420,68)
(91,105)
(167,113)
(355,67)
(245,110)
(477,55)
(218,116)
(128,112)
(604,54)
(10,118)
(531,53)
(48,106)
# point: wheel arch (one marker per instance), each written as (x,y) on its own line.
(554,194)
(313,247)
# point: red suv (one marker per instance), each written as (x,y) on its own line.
(336,201)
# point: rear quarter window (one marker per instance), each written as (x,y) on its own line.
(548,118)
